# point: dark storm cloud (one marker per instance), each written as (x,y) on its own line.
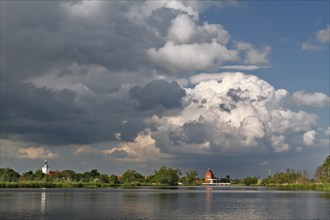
(51,117)
(160,20)
(45,38)
(158,92)
(119,154)
(41,115)
(46,35)
(44,116)
(29,44)
(194,132)
(38,104)
(41,39)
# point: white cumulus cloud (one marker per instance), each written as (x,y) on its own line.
(185,30)
(316,99)
(327,131)
(187,57)
(193,46)
(36,153)
(254,56)
(309,137)
(143,148)
(319,42)
(323,36)
(278,143)
(231,112)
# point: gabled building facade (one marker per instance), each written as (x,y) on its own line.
(209,176)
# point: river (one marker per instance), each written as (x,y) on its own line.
(151,203)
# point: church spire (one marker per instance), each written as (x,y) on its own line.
(45,168)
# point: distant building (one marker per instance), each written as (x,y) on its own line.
(209,176)
(54,172)
(45,168)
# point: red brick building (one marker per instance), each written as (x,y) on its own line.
(209,176)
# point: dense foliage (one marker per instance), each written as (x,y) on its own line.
(8,175)
(167,176)
(289,177)
(132,176)
(322,173)
(250,180)
(225,179)
(190,178)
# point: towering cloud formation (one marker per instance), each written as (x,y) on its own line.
(219,113)
(232,112)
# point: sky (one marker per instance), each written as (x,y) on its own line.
(240,87)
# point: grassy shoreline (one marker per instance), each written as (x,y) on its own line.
(40,184)
(292,187)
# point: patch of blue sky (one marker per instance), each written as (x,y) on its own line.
(283,25)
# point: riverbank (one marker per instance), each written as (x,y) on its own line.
(39,184)
(292,187)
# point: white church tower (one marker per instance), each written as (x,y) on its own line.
(45,168)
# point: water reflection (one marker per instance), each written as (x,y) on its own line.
(208,200)
(43,204)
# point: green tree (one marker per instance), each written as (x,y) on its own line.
(167,176)
(85,177)
(322,173)
(69,176)
(288,177)
(89,176)
(8,175)
(103,178)
(225,179)
(39,175)
(249,180)
(190,177)
(113,179)
(94,173)
(27,176)
(132,176)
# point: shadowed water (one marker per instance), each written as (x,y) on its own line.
(151,203)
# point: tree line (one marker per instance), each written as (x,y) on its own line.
(166,176)
(291,176)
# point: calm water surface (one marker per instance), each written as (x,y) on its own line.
(179,203)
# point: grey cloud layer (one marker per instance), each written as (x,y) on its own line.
(158,92)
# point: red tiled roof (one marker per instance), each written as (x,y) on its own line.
(54,172)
